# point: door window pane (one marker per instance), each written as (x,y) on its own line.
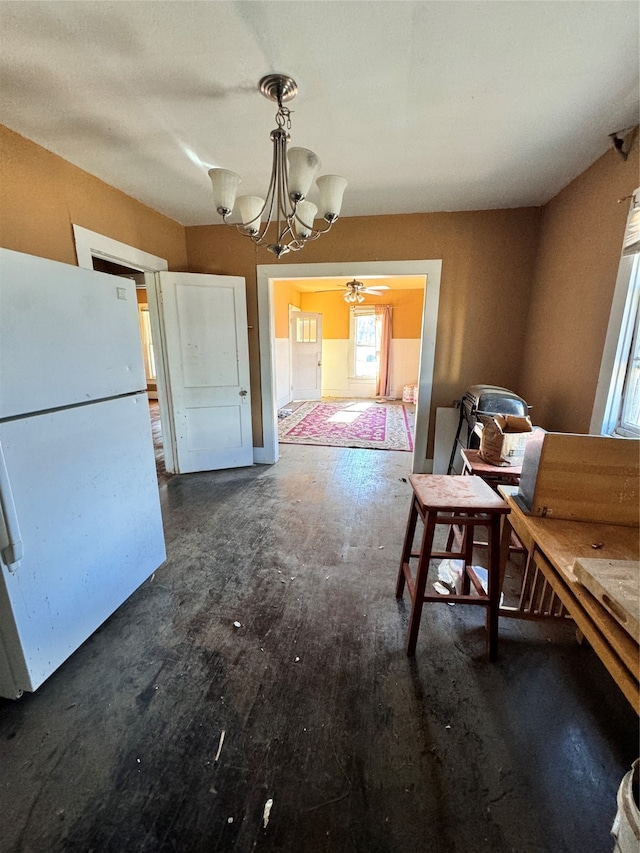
(306,330)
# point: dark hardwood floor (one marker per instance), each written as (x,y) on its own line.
(360,749)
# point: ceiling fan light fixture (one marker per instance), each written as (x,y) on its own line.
(353,293)
(292,174)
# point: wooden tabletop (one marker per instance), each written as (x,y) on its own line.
(447,493)
(562,541)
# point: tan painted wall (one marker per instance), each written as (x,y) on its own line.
(549,351)
(42,196)
(488,261)
(580,244)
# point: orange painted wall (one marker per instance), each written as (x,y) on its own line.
(42,196)
(283,296)
(407,312)
(579,253)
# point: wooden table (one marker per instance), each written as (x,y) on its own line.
(553,545)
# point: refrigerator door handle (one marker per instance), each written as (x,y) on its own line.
(12,552)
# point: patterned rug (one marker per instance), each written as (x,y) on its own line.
(349,423)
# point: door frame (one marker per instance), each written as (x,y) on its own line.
(267,273)
(89,245)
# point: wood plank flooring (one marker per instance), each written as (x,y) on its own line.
(361,749)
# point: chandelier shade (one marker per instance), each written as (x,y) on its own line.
(306,214)
(225,186)
(284,220)
(250,208)
(332,189)
(304,165)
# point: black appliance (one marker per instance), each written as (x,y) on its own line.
(484,400)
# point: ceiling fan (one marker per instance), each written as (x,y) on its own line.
(356,290)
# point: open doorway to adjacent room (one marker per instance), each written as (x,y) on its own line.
(146,340)
(95,251)
(351,351)
(347,362)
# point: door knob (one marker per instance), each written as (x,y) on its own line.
(243,392)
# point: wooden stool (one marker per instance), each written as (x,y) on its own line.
(494,475)
(460,500)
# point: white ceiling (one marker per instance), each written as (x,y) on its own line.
(422,106)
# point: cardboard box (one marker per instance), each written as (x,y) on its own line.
(504,438)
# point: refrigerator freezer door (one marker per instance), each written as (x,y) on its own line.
(67,335)
(86,496)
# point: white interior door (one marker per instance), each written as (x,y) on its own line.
(203,326)
(306,355)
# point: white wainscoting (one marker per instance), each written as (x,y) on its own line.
(336,382)
(405,364)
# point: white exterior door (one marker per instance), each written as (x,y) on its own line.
(306,355)
(205,377)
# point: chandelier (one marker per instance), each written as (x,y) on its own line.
(355,291)
(292,173)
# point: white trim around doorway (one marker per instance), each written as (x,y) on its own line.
(266,274)
(91,245)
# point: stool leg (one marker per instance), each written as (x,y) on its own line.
(407,546)
(467,550)
(421,581)
(494,586)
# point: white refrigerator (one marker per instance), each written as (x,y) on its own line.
(80,519)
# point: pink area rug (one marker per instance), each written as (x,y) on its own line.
(349,423)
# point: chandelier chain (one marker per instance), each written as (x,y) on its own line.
(283,117)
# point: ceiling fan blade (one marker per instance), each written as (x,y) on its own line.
(375,290)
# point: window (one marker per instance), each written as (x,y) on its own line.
(306,330)
(363,336)
(147,344)
(628,419)
(617,405)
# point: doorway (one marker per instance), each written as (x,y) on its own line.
(267,274)
(148,353)
(96,251)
